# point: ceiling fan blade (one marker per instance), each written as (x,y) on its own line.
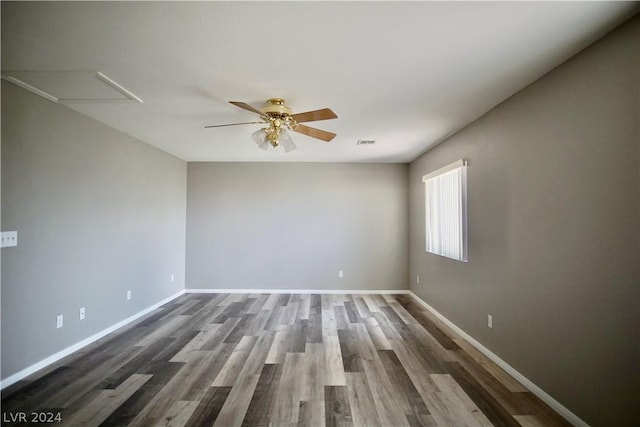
(246,106)
(312,116)
(315,133)
(234,124)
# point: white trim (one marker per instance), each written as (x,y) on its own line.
(129,96)
(85,342)
(95,101)
(527,383)
(117,86)
(297,291)
(457,164)
(32,89)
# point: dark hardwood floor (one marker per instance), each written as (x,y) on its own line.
(279,360)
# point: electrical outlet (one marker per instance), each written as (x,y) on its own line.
(59,321)
(418,279)
(340,274)
(81,313)
(128,295)
(489,321)
(172,278)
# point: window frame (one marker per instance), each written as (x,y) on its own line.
(459,243)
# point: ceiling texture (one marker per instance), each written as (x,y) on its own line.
(405,74)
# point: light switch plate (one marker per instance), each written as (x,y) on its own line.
(9,239)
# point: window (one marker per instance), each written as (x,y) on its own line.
(446,211)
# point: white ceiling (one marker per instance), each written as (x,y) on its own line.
(405,74)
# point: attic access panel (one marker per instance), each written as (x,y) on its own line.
(68,87)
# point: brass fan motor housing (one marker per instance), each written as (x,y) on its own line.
(278,115)
(275,108)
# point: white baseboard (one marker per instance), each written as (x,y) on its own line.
(527,383)
(85,342)
(297,291)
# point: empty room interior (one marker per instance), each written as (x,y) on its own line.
(320,213)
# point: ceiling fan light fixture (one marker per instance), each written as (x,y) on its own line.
(272,136)
(262,138)
(278,117)
(259,136)
(286,141)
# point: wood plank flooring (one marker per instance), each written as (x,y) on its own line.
(280,360)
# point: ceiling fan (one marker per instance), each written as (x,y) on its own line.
(278,117)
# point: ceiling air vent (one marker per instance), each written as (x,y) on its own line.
(365,142)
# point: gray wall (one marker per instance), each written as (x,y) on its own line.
(553,231)
(97,213)
(293,226)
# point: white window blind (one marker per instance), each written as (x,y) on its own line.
(446,211)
